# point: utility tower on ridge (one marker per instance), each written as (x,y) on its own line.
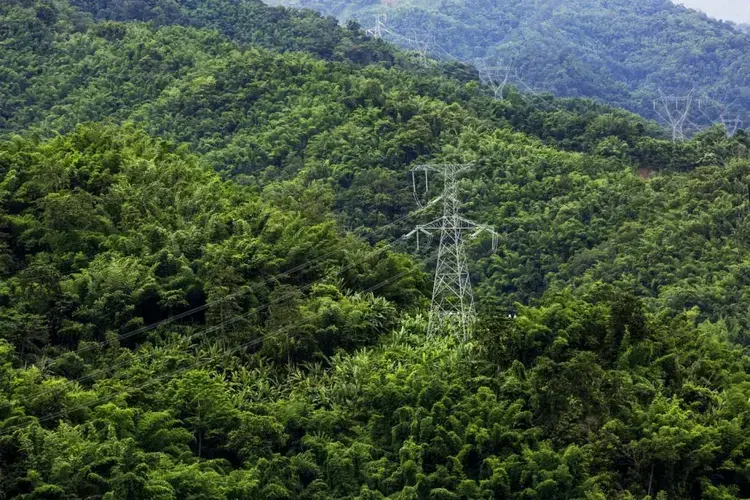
(421,45)
(496,77)
(380,27)
(717,112)
(452,307)
(732,125)
(675,110)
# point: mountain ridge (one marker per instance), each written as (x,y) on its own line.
(621,53)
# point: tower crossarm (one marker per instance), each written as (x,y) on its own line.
(427,229)
(435,225)
(443,168)
(459,223)
(675,110)
(469,225)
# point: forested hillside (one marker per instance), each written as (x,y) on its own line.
(250,22)
(204,293)
(620,52)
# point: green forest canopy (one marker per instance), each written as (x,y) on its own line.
(620,52)
(208,179)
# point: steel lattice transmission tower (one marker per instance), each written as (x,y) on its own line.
(495,77)
(380,27)
(732,125)
(675,110)
(452,307)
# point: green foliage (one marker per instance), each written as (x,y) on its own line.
(109,230)
(315,137)
(602,400)
(619,52)
(248,22)
(183,316)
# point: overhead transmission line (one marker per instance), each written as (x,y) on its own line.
(419,43)
(731,125)
(679,111)
(221,325)
(174,373)
(719,112)
(380,27)
(315,262)
(675,111)
(496,77)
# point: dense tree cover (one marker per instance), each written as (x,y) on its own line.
(316,136)
(58,70)
(251,22)
(620,52)
(108,231)
(183,316)
(105,231)
(573,399)
(679,239)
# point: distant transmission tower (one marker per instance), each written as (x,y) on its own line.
(421,45)
(380,27)
(718,112)
(732,125)
(452,307)
(675,110)
(496,77)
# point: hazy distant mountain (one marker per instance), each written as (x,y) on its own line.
(621,52)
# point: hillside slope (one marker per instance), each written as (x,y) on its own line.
(251,22)
(620,52)
(286,123)
(292,124)
(183,314)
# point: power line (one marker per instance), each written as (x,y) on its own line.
(179,371)
(717,111)
(731,125)
(539,96)
(380,27)
(221,325)
(226,298)
(675,111)
(496,77)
